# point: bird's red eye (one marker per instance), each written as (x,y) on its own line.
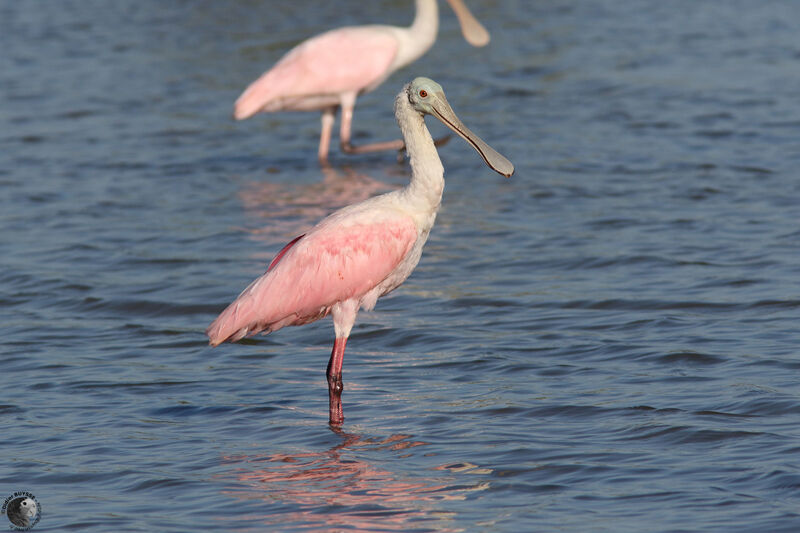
(423,93)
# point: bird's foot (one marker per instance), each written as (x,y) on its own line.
(441,141)
(373,147)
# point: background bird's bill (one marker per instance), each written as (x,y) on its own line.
(474,33)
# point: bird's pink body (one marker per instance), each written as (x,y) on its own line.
(343,264)
(322,71)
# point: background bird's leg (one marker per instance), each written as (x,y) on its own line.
(328,116)
(346,127)
(441,141)
(335,383)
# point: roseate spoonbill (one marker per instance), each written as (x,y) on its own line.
(330,70)
(359,252)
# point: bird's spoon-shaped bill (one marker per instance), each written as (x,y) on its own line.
(441,109)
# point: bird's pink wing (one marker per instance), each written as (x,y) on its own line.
(339,61)
(283,251)
(330,264)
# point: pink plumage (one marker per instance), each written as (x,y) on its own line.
(345,257)
(313,74)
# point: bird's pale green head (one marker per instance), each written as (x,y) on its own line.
(423,92)
(427,97)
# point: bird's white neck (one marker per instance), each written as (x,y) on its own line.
(427,172)
(421,35)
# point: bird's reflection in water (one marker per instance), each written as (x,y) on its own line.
(293,208)
(365,497)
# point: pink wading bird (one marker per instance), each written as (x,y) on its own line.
(360,252)
(330,70)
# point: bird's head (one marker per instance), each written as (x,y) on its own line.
(427,97)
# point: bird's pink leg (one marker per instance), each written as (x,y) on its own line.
(335,383)
(345,130)
(328,116)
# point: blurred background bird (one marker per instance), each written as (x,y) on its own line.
(329,71)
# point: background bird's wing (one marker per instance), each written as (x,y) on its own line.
(344,60)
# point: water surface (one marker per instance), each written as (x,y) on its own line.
(605,342)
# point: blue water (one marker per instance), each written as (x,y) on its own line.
(606,342)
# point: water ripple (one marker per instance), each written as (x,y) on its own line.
(605,338)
